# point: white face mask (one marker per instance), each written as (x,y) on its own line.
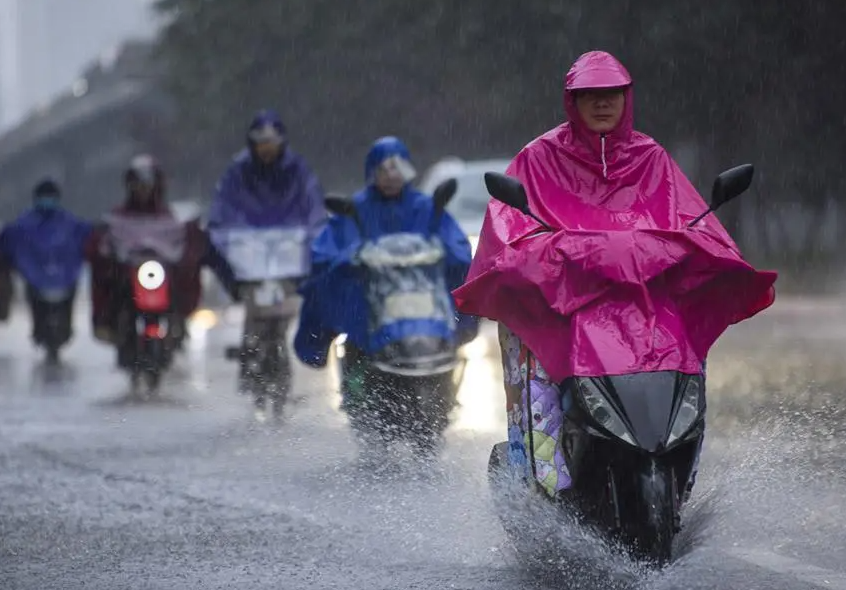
(396,169)
(266,134)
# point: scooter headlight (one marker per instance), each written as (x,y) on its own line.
(688,410)
(603,412)
(151,275)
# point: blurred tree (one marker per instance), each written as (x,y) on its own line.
(482,77)
(437,73)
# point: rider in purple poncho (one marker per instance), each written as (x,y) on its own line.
(267,184)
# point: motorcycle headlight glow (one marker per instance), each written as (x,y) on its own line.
(688,411)
(151,275)
(601,411)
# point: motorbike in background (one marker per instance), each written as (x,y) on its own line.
(631,442)
(268,264)
(143,253)
(49,273)
(409,386)
(146,319)
(52,311)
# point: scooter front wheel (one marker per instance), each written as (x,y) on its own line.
(153,379)
(652,535)
(52,355)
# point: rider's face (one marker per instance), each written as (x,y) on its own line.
(389,182)
(142,191)
(601,109)
(267,151)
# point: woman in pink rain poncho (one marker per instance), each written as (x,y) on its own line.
(618,285)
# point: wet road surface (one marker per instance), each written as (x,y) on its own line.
(99,491)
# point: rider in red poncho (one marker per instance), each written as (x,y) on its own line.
(145,205)
(618,285)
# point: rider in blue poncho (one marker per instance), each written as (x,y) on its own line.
(334,301)
(45,246)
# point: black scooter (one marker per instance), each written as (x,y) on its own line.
(631,442)
(52,312)
(146,348)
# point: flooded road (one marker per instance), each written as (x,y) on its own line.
(100,491)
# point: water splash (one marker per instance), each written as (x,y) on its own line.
(743,479)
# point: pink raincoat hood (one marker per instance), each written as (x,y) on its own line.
(621,285)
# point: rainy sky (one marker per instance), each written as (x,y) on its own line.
(44,44)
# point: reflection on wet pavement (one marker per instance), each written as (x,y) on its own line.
(190,492)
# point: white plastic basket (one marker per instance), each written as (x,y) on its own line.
(265,254)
